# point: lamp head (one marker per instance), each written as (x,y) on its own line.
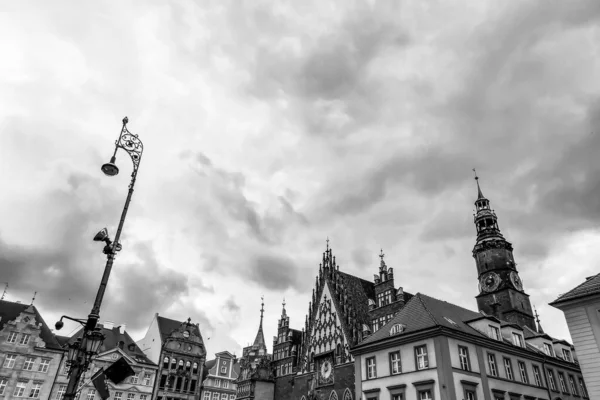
(58,325)
(101,236)
(110,168)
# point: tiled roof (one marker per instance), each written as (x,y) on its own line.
(112,339)
(9,311)
(588,288)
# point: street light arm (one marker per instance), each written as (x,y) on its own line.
(132,144)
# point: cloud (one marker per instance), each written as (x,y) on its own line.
(275,272)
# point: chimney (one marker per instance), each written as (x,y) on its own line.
(122,329)
(109,325)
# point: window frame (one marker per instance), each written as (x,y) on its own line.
(367,369)
(492,358)
(8,359)
(567,355)
(537,376)
(424,356)
(24,341)
(464,357)
(573,385)
(44,362)
(397,362)
(494,332)
(29,363)
(562,382)
(3,385)
(12,335)
(508,368)
(523,371)
(518,339)
(18,386)
(552,380)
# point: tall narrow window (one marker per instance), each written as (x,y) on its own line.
(494,332)
(523,372)
(425,395)
(24,339)
(173,363)
(551,380)
(9,361)
(567,355)
(195,368)
(20,388)
(518,339)
(12,337)
(463,355)
(508,369)
(582,387)
(492,364)
(548,349)
(571,383)
(537,375)
(371,368)
(166,362)
(3,383)
(375,324)
(60,392)
(395,363)
(421,359)
(563,384)
(34,393)
(44,365)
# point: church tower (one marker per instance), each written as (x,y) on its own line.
(501,291)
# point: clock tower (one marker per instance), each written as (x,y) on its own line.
(501,291)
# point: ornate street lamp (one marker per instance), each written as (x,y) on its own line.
(83,350)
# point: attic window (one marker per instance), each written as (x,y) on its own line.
(449,320)
(397,329)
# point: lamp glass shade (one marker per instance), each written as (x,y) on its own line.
(110,169)
(93,342)
(73,350)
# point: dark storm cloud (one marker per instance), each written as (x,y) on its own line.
(275,272)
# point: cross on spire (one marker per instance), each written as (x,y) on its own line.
(262,308)
(33,299)
(479,193)
(381,255)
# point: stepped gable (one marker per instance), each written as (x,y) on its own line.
(9,311)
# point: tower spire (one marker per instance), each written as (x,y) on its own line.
(537,319)
(33,299)
(259,341)
(283,311)
(479,193)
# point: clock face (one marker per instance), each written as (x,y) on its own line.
(516,281)
(489,282)
(326,369)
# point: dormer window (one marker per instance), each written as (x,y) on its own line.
(397,329)
(518,339)
(567,355)
(548,349)
(493,332)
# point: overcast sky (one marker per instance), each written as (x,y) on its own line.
(269,127)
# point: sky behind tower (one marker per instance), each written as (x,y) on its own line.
(270,126)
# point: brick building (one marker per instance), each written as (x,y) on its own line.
(30,355)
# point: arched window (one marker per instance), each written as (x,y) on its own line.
(166,362)
(180,364)
(195,370)
(173,363)
(188,365)
(333,395)
(347,395)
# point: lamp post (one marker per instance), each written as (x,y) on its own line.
(81,352)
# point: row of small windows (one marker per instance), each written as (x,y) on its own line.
(381,321)
(23,339)
(384,298)
(217,383)
(218,396)
(281,353)
(174,365)
(395,363)
(177,384)
(517,339)
(283,369)
(29,364)
(22,388)
(91,395)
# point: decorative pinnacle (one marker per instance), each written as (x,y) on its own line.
(327,243)
(262,308)
(479,194)
(32,300)
(381,255)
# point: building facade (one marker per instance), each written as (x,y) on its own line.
(117,344)
(30,356)
(178,349)
(220,375)
(581,307)
(285,347)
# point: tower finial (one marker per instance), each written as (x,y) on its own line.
(537,319)
(327,243)
(33,299)
(479,193)
(5,290)
(262,308)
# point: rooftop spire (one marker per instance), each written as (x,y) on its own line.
(283,311)
(33,299)
(537,319)
(479,194)
(259,341)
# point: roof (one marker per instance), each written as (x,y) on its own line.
(590,287)
(62,340)
(424,312)
(113,337)
(9,311)
(166,326)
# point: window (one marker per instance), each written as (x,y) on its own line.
(224,396)
(206,395)
(147,379)
(421,360)
(12,337)
(396,329)
(65,369)
(548,349)
(398,396)
(571,382)
(166,362)
(143,396)
(24,339)
(60,392)
(20,389)
(567,355)
(232,397)
(134,379)
(217,383)
(494,332)
(518,339)
(91,394)
(215,396)
(28,366)
(561,380)
(470,395)
(492,364)
(44,365)
(375,324)
(395,363)
(118,395)
(371,368)
(385,298)
(173,363)
(425,395)
(225,384)
(582,387)
(523,372)
(537,376)
(188,366)
(180,364)
(9,361)
(3,383)
(130,396)
(195,369)
(224,369)
(551,380)
(508,369)
(463,355)
(388,318)
(34,393)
